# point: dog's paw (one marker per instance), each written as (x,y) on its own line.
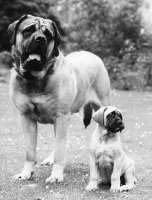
(49,160)
(46,162)
(54,178)
(115,188)
(23,176)
(92,186)
(126,187)
(103,183)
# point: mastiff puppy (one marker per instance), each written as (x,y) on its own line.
(108,161)
(48,88)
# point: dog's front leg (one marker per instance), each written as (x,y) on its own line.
(93,184)
(115,176)
(29,128)
(61,126)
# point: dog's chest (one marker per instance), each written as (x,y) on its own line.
(40,108)
(105,155)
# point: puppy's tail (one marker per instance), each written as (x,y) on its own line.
(87,110)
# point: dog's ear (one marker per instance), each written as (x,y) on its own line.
(57,40)
(120,114)
(13,28)
(99,115)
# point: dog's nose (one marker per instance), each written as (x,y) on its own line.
(40,38)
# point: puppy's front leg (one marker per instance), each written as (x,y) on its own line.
(115,177)
(93,184)
(29,128)
(61,127)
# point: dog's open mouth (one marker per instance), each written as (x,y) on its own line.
(33,60)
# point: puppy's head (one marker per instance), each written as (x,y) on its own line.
(34,42)
(110,118)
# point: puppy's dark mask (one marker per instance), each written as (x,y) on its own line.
(114,122)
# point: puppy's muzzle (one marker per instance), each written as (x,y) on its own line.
(115,126)
(121,125)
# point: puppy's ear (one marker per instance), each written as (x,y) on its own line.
(120,114)
(99,116)
(13,28)
(57,40)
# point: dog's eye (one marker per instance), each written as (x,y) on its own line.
(111,114)
(48,34)
(28,31)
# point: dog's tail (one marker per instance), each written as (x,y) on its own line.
(87,110)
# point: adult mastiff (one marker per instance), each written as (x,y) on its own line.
(47,87)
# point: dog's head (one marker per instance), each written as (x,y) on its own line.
(34,42)
(110,118)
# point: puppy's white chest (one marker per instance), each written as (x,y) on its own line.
(105,156)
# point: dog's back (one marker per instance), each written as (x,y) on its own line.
(91,77)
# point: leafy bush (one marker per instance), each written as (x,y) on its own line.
(97,28)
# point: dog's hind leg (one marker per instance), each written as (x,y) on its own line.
(49,160)
(102,87)
(130,179)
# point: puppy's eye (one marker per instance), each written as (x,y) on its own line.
(111,114)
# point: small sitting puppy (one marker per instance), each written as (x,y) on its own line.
(108,161)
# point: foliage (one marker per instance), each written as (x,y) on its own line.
(99,28)
(132,72)
(112,29)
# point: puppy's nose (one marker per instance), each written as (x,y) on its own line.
(40,38)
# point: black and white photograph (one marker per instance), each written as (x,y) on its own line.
(76,100)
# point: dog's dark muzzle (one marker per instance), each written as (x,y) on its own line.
(40,39)
(116,126)
(35,54)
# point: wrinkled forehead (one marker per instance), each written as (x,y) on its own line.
(37,23)
(112,109)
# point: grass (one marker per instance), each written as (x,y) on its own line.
(136,138)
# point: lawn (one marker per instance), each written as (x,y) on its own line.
(136,139)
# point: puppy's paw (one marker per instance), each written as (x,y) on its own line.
(54,178)
(103,183)
(92,186)
(23,176)
(126,187)
(115,188)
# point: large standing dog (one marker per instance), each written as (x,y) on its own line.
(108,161)
(47,87)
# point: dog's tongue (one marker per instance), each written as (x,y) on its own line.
(34,56)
